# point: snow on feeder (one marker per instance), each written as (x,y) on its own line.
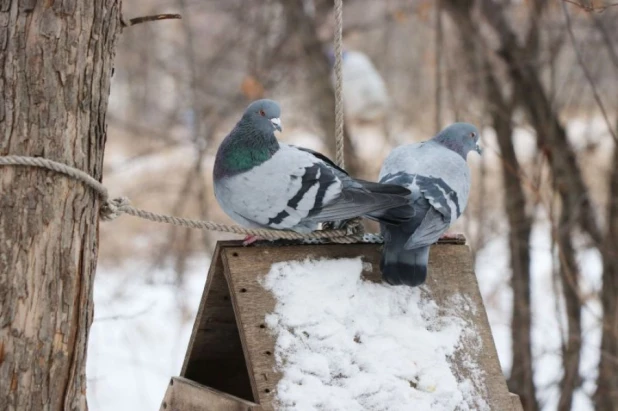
(312,327)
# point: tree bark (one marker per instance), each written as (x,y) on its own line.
(55,68)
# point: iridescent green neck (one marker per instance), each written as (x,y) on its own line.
(245,158)
(244,148)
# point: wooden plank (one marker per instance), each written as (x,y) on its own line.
(516,401)
(451,281)
(186,395)
(451,276)
(214,356)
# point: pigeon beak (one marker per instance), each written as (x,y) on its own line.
(479,149)
(277,123)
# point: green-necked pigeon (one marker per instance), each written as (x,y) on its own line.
(262,183)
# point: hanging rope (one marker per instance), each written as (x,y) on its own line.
(113,208)
(339,136)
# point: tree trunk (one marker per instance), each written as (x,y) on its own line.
(569,272)
(606,395)
(55,69)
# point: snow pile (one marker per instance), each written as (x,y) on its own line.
(348,344)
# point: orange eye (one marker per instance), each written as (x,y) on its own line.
(262,113)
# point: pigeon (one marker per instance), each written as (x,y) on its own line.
(436,173)
(262,183)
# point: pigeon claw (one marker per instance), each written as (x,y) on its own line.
(250,239)
(452,238)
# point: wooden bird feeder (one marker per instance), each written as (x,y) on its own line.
(230,362)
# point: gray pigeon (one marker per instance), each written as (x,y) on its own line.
(261,183)
(436,173)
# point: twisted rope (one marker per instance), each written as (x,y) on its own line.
(339,140)
(113,208)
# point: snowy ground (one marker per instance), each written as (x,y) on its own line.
(141,327)
(140,332)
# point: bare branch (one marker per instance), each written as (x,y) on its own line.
(580,60)
(125,316)
(144,19)
(589,7)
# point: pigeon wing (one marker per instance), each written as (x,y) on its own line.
(281,192)
(432,201)
(438,217)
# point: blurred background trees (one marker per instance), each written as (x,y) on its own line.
(540,78)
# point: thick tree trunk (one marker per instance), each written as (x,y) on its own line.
(55,69)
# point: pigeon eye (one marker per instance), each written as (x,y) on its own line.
(472,135)
(262,113)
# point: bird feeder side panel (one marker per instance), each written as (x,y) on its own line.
(215,355)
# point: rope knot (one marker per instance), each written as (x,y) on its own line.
(355,227)
(113,208)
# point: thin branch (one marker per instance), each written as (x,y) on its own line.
(125,316)
(587,74)
(590,8)
(144,19)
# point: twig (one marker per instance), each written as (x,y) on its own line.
(144,19)
(587,74)
(125,316)
(590,8)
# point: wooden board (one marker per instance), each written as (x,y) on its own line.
(232,350)
(185,395)
(516,402)
(215,356)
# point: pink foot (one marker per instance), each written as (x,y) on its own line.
(250,239)
(450,236)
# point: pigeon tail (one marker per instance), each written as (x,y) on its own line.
(392,216)
(405,267)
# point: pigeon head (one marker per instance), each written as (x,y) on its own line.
(461,138)
(264,115)
(251,142)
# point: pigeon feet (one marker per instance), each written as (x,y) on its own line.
(450,236)
(250,239)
